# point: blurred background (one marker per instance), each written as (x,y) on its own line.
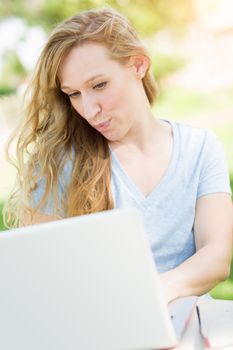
(191,45)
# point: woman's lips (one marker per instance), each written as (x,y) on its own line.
(102,126)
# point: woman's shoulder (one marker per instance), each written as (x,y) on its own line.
(193,135)
(63,172)
(69,162)
(195,143)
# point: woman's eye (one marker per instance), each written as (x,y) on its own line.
(74,94)
(100,85)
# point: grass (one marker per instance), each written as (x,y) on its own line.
(224,133)
(223,290)
(2,227)
(181,104)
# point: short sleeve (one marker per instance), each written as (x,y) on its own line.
(214,175)
(63,182)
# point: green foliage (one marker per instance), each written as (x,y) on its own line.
(164,64)
(231,274)
(179,103)
(14,63)
(224,133)
(52,11)
(2,227)
(223,290)
(6,90)
(13,72)
(231,180)
(13,8)
(148,16)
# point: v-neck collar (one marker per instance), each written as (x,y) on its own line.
(131,186)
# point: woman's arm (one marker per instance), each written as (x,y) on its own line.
(213,228)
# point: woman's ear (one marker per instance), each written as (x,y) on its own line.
(140,64)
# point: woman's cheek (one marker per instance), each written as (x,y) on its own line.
(111,100)
(77,106)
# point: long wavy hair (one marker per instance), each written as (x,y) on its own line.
(52,131)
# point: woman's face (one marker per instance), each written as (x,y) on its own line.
(103,91)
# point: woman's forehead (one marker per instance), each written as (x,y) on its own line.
(88,61)
(86,54)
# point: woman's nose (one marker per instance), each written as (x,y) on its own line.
(90,108)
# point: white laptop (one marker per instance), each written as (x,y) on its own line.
(84,283)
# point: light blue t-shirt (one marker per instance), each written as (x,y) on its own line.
(197,167)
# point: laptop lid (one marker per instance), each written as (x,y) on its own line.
(85,283)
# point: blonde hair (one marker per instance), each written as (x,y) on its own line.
(53,130)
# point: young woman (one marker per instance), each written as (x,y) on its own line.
(90,142)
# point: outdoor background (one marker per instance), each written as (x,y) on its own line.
(190,41)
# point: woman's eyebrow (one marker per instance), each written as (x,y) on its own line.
(87,82)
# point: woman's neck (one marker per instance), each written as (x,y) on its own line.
(144,135)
